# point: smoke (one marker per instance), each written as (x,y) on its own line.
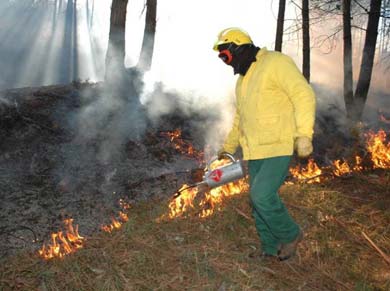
(48,42)
(209,121)
(330,112)
(108,118)
(183,60)
(113,117)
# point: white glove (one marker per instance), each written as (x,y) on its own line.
(303,146)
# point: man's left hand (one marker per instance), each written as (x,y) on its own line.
(304,146)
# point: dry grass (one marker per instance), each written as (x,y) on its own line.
(212,253)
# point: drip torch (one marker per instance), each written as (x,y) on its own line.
(219,176)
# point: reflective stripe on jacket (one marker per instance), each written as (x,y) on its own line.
(275,104)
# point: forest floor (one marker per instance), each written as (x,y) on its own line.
(151,252)
(54,167)
(47,174)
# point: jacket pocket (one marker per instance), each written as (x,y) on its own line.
(269,129)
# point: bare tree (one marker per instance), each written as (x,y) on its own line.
(306,40)
(366,66)
(280,26)
(115,56)
(145,60)
(55,13)
(76,72)
(90,12)
(68,71)
(384,37)
(354,14)
(347,57)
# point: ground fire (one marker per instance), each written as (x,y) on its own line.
(183,146)
(204,203)
(117,223)
(63,242)
(69,241)
(380,151)
(311,173)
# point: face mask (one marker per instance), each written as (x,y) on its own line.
(226,52)
(239,57)
(226,56)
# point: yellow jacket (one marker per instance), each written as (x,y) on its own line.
(275,104)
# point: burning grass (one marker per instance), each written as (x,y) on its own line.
(210,253)
(63,242)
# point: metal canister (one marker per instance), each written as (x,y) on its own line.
(224,174)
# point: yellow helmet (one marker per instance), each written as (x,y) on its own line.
(234,35)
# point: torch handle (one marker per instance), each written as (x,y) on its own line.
(213,159)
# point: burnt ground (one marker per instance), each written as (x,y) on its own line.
(62,155)
(50,171)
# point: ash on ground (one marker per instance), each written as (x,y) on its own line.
(50,170)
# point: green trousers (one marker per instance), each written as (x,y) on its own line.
(273,222)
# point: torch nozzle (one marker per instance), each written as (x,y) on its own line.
(202,186)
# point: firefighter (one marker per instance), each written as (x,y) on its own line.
(275,111)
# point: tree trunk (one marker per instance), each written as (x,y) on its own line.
(280,26)
(55,13)
(92,14)
(306,40)
(145,60)
(67,60)
(366,66)
(347,57)
(116,51)
(75,66)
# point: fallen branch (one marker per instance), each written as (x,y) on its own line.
(242,213)
(306,179)
(386,257)
(350,235)
(268,270)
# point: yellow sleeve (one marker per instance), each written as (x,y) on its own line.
(300,94)
(232,140)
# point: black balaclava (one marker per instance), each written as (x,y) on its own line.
(241,56)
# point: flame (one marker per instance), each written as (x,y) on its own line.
(215,197)
(174,134)
(123,216)
(62,243)
(380,151)
(182,203)
(358,162)
(182,146)
(115,223)
(376,145)
(309,174)
(341,168)
(124,205)
(211,201)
